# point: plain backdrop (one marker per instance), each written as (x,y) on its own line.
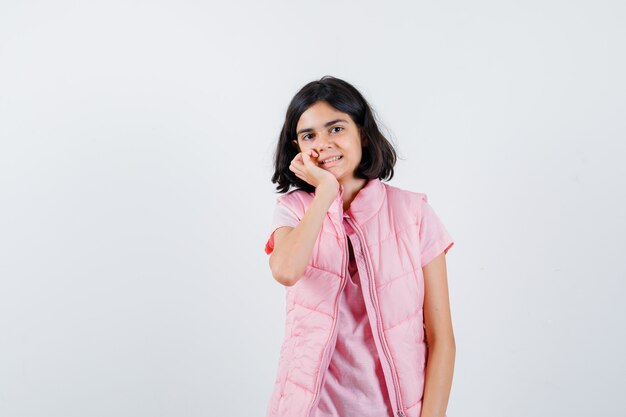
(136,151)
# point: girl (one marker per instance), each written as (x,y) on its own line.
(368,331)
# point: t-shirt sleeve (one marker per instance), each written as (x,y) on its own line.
(434,237)
(283,216)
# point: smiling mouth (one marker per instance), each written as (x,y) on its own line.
(333,159)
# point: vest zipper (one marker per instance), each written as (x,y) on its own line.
(381,336)
(325,357)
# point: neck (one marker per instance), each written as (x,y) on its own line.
(350,190)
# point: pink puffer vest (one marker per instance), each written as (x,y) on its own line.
(387,221)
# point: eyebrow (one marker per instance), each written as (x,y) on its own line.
(310,129)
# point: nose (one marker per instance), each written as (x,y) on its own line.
(324,140)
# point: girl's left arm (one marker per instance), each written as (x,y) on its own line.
(439,337)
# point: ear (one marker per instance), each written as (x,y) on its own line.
(294,142)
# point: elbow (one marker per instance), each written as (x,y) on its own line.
(285,280)
(283,277)
(284,273)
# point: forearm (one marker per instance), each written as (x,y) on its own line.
(439,371)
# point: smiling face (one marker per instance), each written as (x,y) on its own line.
(332,134)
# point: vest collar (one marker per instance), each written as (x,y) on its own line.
(365,204)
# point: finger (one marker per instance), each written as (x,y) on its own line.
(312,157)
(301,176)
(307,157)
(296,169)
(297,165)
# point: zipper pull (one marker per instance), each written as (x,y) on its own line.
(400,413)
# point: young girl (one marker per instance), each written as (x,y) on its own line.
(368,331)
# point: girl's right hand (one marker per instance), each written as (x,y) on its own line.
(308,170)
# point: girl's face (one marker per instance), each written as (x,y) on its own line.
(332,134)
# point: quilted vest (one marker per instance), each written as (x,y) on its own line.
(386,221)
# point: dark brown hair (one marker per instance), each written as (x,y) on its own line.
(378,155)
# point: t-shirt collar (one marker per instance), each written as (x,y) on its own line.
(365,204)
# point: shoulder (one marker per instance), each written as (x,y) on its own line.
(409,199)
(293,195)
(297,200)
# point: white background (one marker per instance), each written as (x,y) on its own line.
(135,196)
